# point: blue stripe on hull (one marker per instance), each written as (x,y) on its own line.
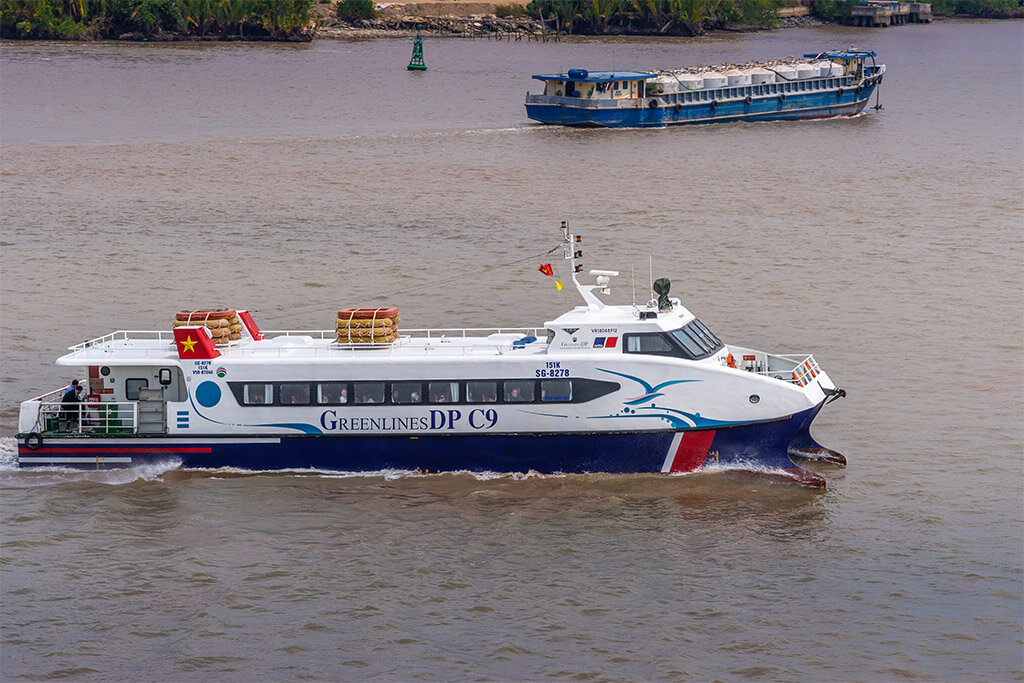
(796,106)
(762,445)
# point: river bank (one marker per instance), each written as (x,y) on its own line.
(476,19)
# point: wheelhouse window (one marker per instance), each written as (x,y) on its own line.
(555,390)
(294,394)
(654,343)
(368,392)
(444,392)
(257,393)
(331,393)
(692,341)
(698,341)
(406,393)
(519,391)
(481,392)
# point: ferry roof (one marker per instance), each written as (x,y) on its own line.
(584,76)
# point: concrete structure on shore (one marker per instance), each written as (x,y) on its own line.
(880,13)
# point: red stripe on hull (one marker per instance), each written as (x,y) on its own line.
(105,450)
(692,451)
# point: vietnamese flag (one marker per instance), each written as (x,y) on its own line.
(546,269)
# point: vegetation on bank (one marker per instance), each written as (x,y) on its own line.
(293,19)
(669,17)
(839,10)
(156,19)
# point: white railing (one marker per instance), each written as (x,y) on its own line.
(100,417)
(454,340)
(797,369)
(124,336)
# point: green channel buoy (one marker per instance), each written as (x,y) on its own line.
(416,63)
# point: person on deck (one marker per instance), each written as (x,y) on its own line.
(69,406)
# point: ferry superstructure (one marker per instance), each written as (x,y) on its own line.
(821,85)
(601,388)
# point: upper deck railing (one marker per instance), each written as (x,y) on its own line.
(158,344)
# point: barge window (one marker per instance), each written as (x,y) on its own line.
(444,392)
(257,393)
(132,386)
(332,393)
(368,392)
(481,392)
(555,390)
(519,391)
(404,393)
(294,394)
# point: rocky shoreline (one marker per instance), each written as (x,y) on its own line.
(402,24)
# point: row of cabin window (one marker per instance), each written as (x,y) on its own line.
(405,393)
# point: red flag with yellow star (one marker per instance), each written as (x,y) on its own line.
(194,343)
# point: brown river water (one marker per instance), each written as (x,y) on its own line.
(294,180)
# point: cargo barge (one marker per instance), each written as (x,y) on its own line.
(820,85)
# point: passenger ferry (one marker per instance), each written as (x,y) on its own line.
(821,85)
(602,388)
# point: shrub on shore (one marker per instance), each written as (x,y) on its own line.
(509,11)
(354,10)
(91,19)
(670,17)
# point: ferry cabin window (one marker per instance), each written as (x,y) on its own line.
(444,392)
(555,390)
(368,392)
(332,393)
(519,391)
(294,394)
(481,392)
(653,343)
(403,393)
(697,340)
(132,386)
(257,393)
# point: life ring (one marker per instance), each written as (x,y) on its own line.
(714,105)
(839,93)
(34,441)
(653,104)
(748,99)
(730,360)
(782,97)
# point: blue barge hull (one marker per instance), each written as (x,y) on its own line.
(809,106)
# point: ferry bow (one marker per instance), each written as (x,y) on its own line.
(601,388)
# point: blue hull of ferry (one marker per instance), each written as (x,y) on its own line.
(826,104)
(761,445)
